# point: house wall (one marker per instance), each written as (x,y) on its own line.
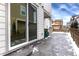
(47,23)
(2,28)
(3,39)
(47,7)
(40,23)
(57,25)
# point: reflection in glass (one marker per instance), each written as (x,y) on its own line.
(32,22)
(18,23)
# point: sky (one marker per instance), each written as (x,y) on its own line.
(64,11)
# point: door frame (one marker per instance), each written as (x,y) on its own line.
(8,23)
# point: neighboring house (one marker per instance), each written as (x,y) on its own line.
(21,24)
(57,25)
(47,17)
(68,24)
(74,19)
(66,27)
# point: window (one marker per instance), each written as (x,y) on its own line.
(22,10)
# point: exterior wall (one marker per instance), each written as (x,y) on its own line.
(47,7)
(57,25)
(47,16)
(2,28)
(40,23)
(47,24)
(57,22)
(40,26)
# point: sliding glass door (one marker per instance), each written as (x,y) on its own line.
(18,20)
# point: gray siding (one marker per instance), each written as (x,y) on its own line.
(2,28)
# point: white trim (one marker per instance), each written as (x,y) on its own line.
(6,26)
(27,32)
(9,23)
(23,44)
(20,19)
(27,22)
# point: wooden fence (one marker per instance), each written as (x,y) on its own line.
(75,35)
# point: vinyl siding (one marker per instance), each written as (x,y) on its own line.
(2,28)
(40,23)
(47,7)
